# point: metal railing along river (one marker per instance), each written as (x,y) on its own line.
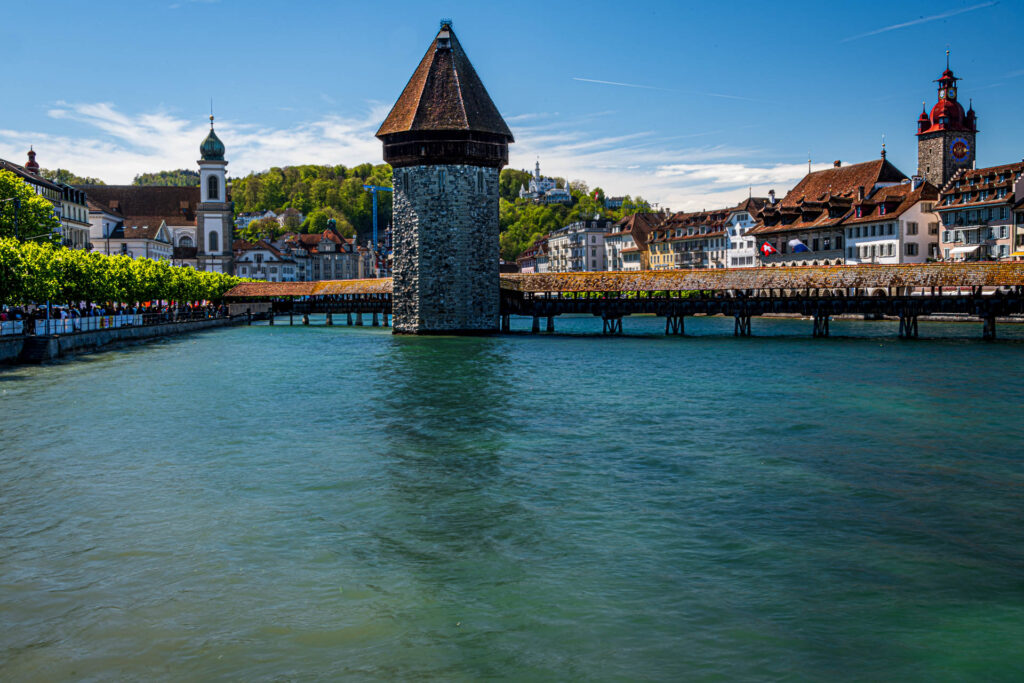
(97,323)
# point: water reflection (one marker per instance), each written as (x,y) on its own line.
(447,424)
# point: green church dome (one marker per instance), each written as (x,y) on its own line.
(212,148)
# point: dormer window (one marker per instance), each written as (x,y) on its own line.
(860,211)
(881,209)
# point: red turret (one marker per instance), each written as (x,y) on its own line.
(947,114)
(923,122)
(31,166)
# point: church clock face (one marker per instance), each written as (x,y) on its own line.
(960,149)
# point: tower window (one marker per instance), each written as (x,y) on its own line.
(214,243)
(441,177)
(480,181)
(212,187)
(405,181)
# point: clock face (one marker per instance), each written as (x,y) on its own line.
(960,149)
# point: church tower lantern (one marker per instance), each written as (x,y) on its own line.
(215,212)
(446,142)
(945,137)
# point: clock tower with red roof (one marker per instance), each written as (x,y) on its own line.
(945,138)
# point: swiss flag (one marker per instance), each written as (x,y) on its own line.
(768,249)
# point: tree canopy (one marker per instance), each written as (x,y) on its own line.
(62,175)
(35,215)
(180,178)
(33,272)
(319,192)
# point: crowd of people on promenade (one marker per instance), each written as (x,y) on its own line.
(152,313)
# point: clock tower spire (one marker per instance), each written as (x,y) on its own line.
(945,138)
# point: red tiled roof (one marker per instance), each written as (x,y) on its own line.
(823,198)
(148,205)
(97,206)
(968,195)
(896,198)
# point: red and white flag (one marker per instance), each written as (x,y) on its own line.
(768,249)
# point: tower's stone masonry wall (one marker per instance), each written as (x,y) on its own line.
(934,160)
(446,250)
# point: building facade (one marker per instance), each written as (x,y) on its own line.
(625,244)
(742,248)
(894,224)
(578,247)
(263,261)
(977,209)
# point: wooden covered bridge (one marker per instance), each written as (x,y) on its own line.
(985,290)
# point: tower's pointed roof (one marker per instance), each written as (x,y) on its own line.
(445,94)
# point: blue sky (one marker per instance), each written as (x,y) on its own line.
(688,104)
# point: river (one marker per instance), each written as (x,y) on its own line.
(294,503)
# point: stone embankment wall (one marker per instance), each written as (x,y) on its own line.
(446,249)
(44,348)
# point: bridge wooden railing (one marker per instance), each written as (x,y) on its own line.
(726,279)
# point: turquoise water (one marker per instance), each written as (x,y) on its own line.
(316,503)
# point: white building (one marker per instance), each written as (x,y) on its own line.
(263,261)
(894,224)
(578,247)
(545,190)
(109,235)
(742,248)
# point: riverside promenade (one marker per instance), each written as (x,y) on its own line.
(40,348)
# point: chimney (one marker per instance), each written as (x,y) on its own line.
(771,196)
(916,182)
(860,192)
(837,163)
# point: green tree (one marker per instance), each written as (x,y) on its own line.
(65,176)
(35,215)
(262,229)
(182,177)
(509,182)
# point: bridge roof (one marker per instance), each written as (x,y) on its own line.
(795,277)
(318,288)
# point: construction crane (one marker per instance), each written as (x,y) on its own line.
(374,189)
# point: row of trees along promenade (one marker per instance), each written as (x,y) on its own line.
(35,269)
(39,272)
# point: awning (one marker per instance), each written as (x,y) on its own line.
(955,251)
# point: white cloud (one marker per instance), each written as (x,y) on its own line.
(120,145)
(673,171)
(681,178)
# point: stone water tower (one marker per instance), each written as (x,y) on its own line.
(447,143)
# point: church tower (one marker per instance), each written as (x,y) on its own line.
(446,142)
(945,139)
(215,213)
